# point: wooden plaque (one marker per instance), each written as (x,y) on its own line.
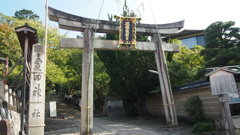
(222,82)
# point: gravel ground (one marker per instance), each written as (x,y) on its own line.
(120,125)
(117,125)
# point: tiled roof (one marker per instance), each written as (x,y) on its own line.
(231,69)
(195,84)
(200,83)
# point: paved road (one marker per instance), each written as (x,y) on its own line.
(114,125)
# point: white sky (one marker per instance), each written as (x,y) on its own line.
(197,14)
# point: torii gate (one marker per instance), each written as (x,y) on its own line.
(89,44)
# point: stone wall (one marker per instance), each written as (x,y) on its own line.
(114,107)
(9,119)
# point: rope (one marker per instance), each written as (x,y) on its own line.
(37,102)
(35,125)
(154,19)
(98,17)
(139,8)
(172,103)
(86,107)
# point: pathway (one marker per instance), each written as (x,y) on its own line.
(114,125)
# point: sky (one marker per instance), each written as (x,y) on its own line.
(198,14)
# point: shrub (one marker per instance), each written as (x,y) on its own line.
(235,109)
(201,127)
(193,106)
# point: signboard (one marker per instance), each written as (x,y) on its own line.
(127,31)
(53,109)
(235,97)
(222,82)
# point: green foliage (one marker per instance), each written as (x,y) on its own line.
(129,72)
(101,80)
(9,47)
(235,109)
(185,66)
(26,14)
(55,76)
(9,43)
(193,106)
(126,11)
(222,35)
(201,127)
(218,57)
(130,106)
(222,44)
(64,66)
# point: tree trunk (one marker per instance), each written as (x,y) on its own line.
(141,105)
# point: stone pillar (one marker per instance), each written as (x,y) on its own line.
(87,84)
(6,93)
(18,102)
(1,89)
(14,99)
(10,100)
(36,113)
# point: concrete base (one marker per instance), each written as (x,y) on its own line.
(222,126)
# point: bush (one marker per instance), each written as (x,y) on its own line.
(235,109)
(193,106)
(130,107)
(201,127)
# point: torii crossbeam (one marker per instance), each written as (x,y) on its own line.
(86,25)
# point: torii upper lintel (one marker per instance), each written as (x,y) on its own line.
(77,23)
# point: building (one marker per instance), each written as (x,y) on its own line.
(211,107)
(189,37)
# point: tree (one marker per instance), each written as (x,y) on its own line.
(222,35)
(101,80)
(9,47)
(222,44)
(185,66)
(128,72)
(26,14)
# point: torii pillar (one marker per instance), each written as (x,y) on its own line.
(88,44)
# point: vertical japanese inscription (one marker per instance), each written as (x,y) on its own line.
(36,113)
(37,77)
(127,31)
(39,50)
(37,91)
